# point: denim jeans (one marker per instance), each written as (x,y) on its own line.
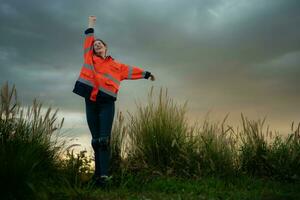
(100,117)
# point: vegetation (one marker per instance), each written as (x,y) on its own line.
(155,155)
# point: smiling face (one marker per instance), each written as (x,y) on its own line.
(99,48)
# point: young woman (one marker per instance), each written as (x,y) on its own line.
(99,83)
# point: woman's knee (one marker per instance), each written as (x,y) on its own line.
(101,142)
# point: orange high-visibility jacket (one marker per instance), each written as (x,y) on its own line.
(100,78)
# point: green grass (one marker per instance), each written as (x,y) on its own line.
(204,188)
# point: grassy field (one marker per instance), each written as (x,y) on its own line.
(179,188)
(155,154)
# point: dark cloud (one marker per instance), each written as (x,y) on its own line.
(226,52)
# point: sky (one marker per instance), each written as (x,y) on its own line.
(221,56)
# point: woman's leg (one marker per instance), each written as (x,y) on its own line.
(92,116)
(106,116)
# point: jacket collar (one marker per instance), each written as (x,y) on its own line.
(107,58)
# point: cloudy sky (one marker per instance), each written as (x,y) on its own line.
(223,56)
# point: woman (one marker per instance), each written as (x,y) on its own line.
(99,83)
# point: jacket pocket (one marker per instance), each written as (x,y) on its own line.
(112,84)
(87,74)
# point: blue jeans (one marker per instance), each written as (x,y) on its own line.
(100,117)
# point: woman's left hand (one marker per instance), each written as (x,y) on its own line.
(152,78)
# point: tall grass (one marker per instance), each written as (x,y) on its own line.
(29,147)
(156,139)
(264,155)
(162,141)
(157,134)
(215,149)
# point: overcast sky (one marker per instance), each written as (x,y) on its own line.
(223,56)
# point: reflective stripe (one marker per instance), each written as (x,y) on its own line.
(143,74)
(87,82)
(87,49)
(107,92)
(89,34)
(88,66)
(130,72)
(112,78)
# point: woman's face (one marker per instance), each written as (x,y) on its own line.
(99,48)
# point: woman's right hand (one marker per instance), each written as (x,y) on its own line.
(92,21)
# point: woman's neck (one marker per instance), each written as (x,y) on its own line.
(101,56)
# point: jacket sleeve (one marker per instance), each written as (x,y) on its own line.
(88,43)
(132,72)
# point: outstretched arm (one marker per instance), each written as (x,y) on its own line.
(133,72)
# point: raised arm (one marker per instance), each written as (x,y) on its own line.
(89,37)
